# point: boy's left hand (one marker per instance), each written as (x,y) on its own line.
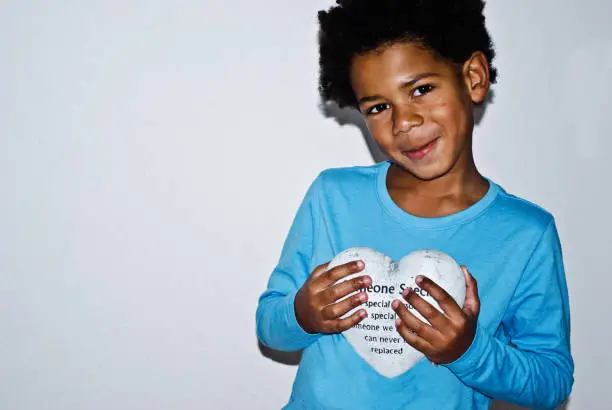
(451,333)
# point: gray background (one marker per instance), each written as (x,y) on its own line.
(153,154)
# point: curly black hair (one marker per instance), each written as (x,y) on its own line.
(452,29)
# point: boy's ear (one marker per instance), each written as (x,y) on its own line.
(476,77)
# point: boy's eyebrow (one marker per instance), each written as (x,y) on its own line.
(409,83)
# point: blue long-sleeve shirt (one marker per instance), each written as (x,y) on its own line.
(521,351)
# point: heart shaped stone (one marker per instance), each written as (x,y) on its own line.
(375,338)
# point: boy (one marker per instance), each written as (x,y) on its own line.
(415,69)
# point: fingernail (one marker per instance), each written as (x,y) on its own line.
(363,314)
(367,280)
(362,297)
(398,323)
(395,304)
(360,264)
(406,292)
(419,280)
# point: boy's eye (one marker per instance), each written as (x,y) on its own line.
(422,90)
(377,109)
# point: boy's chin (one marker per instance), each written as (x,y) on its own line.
(429,172)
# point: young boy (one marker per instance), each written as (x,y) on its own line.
(415,69)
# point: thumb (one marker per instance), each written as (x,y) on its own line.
(471,306)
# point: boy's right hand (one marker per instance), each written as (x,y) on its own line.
(317,309)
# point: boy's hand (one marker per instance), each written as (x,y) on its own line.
(451,333)
(317,309)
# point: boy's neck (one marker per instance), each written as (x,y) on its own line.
(453,192)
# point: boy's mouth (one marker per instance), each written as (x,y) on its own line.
(422,151)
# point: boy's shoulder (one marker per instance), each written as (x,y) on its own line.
(523,211)
(350,175)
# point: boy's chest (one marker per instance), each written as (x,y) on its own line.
(496,258)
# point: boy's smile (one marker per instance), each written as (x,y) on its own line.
(418,107)
(422,151)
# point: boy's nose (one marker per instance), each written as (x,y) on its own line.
(405,118)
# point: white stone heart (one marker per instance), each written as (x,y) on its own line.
(375,338)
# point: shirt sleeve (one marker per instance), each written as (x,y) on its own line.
(277,326)
(536,370)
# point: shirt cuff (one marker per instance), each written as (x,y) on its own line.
(474,355)
(296,336)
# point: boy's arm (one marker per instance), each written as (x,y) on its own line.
(537,371)
(277,326)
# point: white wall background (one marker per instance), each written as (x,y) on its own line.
(152,156)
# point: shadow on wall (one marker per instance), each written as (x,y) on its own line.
(287,358)
(351,116)
(500,405)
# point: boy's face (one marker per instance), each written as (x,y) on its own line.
(418,107)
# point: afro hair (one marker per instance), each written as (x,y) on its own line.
(452,29)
